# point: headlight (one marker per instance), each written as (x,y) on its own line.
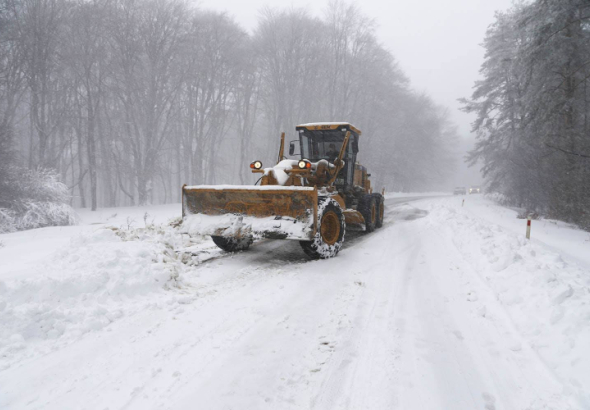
(256,165)
(304,164)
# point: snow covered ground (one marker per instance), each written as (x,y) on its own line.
(445,307)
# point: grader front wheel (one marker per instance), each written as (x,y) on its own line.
(330,231)
(330,227)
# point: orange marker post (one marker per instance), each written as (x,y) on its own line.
(528,227)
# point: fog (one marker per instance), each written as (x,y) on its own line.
(436,43)
(122,102)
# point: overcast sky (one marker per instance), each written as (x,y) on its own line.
(436,42)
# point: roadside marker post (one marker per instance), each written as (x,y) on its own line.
(528,227)
(463,203)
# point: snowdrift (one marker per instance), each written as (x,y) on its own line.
(545,293)
(100,277)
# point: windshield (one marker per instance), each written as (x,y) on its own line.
(326,144)
(316,145)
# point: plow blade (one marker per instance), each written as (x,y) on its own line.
(274,212)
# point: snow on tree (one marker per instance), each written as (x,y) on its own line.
(33,199)
(532,108)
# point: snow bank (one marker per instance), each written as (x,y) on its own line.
(100,277)
(134,216)
(546,294)
(414,194)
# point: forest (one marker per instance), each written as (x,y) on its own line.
(124,101)
(533,108)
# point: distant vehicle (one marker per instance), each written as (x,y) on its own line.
(460,190)
(475,190)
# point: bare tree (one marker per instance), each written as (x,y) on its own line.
(147,37)
(291,45)
(41,29)
(213,70)
(86,56)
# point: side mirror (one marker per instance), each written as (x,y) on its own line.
(291,148)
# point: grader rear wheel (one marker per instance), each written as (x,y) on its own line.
(368,208)
(380,201)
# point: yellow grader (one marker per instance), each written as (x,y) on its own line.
(311,200)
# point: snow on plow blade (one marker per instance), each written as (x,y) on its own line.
(268,211)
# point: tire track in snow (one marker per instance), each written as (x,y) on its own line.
(269,329)
(364,371)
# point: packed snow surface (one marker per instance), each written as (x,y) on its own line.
(445,307)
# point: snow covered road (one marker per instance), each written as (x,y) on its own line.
(421,314)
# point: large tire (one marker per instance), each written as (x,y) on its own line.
(230,244)
(380,204)
(330,233)
(368,209)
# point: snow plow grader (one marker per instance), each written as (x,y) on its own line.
(312,200)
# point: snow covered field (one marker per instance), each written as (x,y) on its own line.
(446,307)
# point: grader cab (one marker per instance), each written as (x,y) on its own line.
(311,200)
